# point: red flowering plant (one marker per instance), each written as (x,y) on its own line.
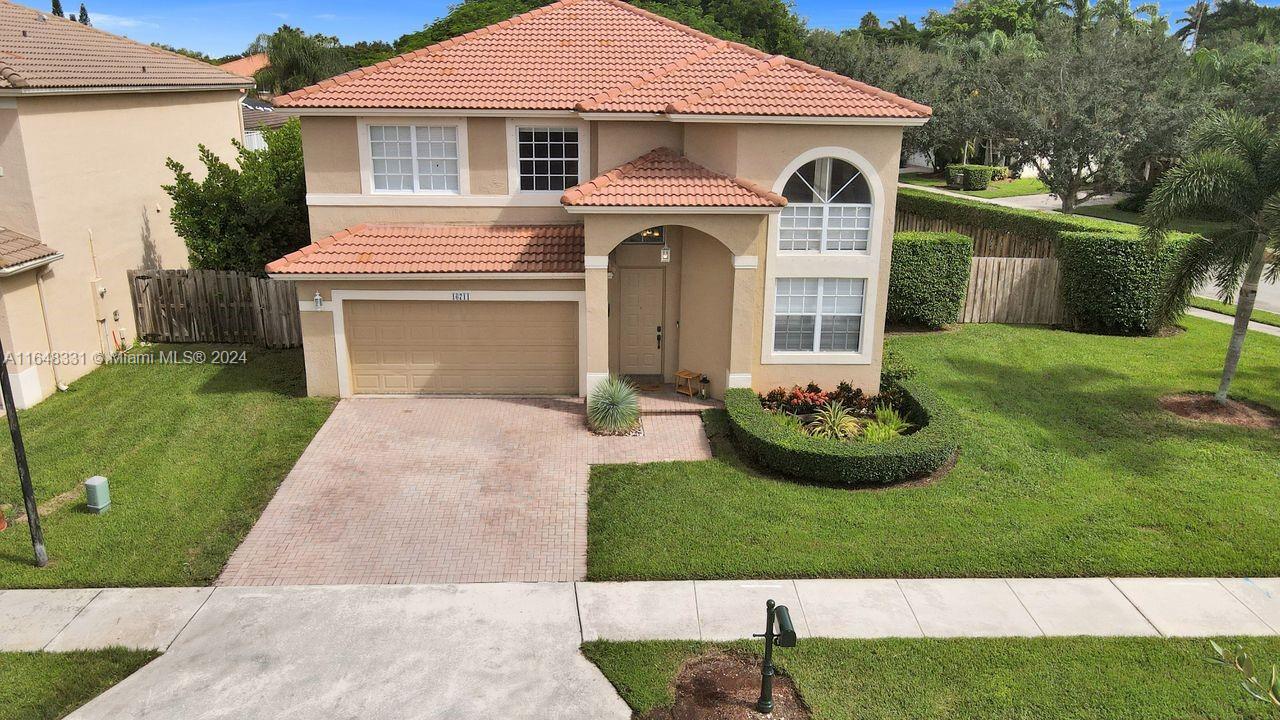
(807,400)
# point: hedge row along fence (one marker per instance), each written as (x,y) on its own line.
(1110,280)
(928,277)
(789,451)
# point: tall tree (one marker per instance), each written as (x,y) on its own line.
(1190,23)
(869,22)
(298,59)
(84,15)
(1081,12)
(57,8)
(1232,167)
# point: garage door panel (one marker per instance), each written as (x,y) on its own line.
(463,347)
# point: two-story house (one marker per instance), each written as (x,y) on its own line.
(87,120)
(590,188)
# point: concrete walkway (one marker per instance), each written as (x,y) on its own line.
(1228,320)
(510,649)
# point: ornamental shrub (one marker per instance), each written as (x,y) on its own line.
(1113,283)
(613,406)
(927,278)
(786,449)
(976,177)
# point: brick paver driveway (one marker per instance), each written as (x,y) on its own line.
(426,490)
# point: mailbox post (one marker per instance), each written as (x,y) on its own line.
(784,637)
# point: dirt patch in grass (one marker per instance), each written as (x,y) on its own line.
(725,686)
(1202,407)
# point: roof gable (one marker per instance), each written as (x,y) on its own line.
(600,56)
(42,51)
(664,178)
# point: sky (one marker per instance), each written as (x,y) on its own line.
(223,27)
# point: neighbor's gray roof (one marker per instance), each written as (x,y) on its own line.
(43,51)
(16,248)
(260,114)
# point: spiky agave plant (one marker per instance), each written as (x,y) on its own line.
(614,406)
(833,421)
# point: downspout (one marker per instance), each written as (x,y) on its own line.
(48,332)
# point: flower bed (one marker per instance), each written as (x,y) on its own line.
(776,441)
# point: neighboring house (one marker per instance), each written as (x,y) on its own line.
(586,189)
(260,115)
(87,120)
(247,66)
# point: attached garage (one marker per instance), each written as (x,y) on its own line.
(426,346)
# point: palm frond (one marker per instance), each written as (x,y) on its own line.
(1210,179)
(1242,135)
(1203,259)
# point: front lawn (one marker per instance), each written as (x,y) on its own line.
(193,453)
(47,686)
(996,189)
(1212,305)
(1187,225)
(981,679)
(1068,467)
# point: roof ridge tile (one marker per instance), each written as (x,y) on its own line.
(650,76)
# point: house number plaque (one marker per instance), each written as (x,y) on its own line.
(462,296)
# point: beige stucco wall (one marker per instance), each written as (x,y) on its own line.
(706,294)
(331,154)
(95,165)
(17,207)
(487,155)
(620,142)
(23,332)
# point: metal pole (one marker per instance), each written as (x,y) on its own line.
(765,703)
(20,455)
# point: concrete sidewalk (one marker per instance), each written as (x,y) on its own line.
(511,649)
(1228,320)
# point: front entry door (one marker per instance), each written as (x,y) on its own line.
(642,335)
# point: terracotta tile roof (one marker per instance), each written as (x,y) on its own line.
(38,50)
(389,249)
(248,65)
(16,248)
(664,178)
(604,56)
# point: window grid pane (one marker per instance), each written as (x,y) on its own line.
(848,227)
(828,210)
(548,158)
(414,158)
(800,228)
(818,314)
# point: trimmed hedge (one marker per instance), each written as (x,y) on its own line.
(1030,224)
(788,451)
(975,177)
(1113,283)
(927,278)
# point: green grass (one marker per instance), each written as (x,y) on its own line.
(979,679)
(193,454)
(46,686)
(997,188)
(1068,467)
(1187,225)
(1259,316)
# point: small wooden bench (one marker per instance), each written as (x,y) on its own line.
(686,381)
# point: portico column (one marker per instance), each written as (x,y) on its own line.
(597,320)
(741,332)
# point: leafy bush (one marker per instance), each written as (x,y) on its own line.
(808,400)
(928,275)
(1112,283)
(613,407)
(242,217)
(974,177)
(833,421)
(887,425)
(781,448)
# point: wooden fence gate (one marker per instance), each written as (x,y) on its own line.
(215,306)
(1023,291)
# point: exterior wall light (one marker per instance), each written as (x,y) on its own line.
(665,254)
(319,301)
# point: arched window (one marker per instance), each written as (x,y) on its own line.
(828,209)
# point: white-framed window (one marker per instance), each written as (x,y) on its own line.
(828,209)
(414,158)
(549,158)
(818,314)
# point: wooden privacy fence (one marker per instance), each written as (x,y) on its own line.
(215,306)
(1023,291)
(986,242)
(1012,279)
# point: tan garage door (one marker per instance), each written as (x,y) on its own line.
(416,346)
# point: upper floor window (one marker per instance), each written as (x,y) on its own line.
(414,158)
(828,209)
(548,158)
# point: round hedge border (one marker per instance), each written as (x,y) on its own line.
(783,450)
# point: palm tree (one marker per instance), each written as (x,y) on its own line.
(297,59)
(1232,167)
(1190,23)
(1081,13)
